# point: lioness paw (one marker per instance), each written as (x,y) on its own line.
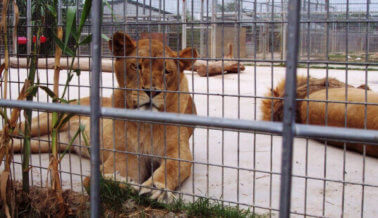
(116,176)
(157,191)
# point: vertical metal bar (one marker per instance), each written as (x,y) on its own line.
(95,107)
(366,100)
(346,104)
(223,99)
(14,31)
(183,19)
(326,106)
(237,26)
(28,26)
(271,46)
(202,29)
(59,12)
(254,35)
(213,29)
(308,44)
(213,55)
(289,106)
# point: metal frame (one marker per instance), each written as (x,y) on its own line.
(299,130)
(95,107)
(288,129)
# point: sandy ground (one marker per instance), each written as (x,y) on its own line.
(246,151)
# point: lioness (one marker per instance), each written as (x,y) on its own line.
(334,113)
(148,84)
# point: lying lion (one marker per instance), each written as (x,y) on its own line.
(161,146)
(212,68)
(316,90)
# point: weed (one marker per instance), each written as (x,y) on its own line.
(114,195)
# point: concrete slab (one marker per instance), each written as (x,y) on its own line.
(257,156)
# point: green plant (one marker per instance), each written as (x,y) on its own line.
(113,195)
(10,123)
(60,119)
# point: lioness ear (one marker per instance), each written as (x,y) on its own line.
(187,53)
(121,44)
(274,93)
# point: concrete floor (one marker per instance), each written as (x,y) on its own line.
(246,150)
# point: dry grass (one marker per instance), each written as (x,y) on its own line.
(42,202)
(116,202)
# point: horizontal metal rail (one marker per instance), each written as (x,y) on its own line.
(300,130)
(246,60)
(247,21)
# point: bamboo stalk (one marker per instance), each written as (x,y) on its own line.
(4,30)
(9,123)
(5,137)
(58,54)
(28,118)
(54,134)
(15,25)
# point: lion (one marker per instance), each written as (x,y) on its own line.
(154,155)
(212,68)
(311,111)
(305,86)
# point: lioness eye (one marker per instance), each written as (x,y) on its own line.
(133,66)
(166,71)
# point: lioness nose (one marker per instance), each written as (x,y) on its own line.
(151,93)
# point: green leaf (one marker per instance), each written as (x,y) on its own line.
(69,78)
(71,14)
(72,100)
(105,37)
(49,92)
(78,72)
(64,101)
(82,127)
(42,12)
(64,120)
(74,32)
(87,40)
(70,144)
(67,50)
(86,141)
(3,114)
(32,90)
(110,8)
(84,14)
(58,41)
(51,9)
(58,120)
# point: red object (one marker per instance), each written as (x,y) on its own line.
(21,40)
(42,39)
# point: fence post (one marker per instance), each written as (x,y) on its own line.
(28,26)
(95,107)
(289,106)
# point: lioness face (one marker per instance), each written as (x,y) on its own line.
(150,72)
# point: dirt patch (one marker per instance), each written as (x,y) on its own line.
(41,202)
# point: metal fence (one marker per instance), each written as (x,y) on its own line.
(237,158)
